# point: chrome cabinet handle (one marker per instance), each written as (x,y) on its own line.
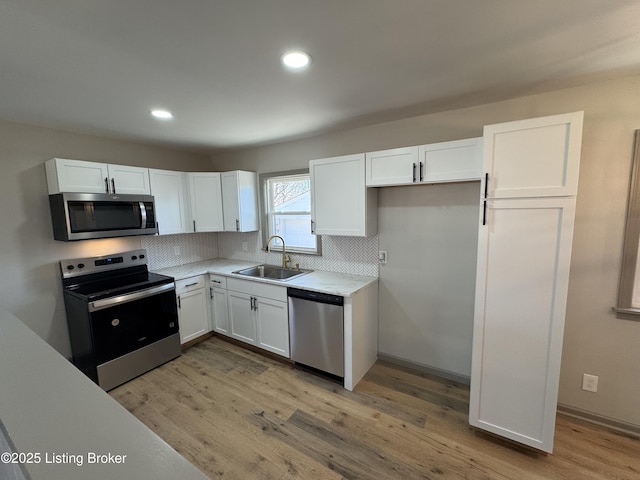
(237,225)
(414,173)
(190,284)
(312,231)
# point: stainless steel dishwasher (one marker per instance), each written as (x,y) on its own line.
(316,330)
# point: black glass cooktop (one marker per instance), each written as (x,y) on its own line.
(99,287)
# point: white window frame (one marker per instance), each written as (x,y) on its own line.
(267,214)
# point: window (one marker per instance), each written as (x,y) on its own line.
(287,206)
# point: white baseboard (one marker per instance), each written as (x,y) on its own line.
(456,377)
(607,422)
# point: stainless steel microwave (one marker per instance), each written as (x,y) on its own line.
(83,216)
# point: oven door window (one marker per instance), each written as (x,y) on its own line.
(123,328)
(103,216)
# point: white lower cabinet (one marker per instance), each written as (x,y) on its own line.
(259,314)
(219,304)
(242,321)
(193,308)
(272,319)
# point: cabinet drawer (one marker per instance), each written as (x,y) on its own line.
(188,284)
(218,281)
(258,289)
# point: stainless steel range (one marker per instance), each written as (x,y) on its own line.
(122,319)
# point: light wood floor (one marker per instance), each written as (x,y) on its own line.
(237,414)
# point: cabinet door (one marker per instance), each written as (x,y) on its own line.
(167,188)
(272,320)
(524,252)
(65,175)
(240,201)
(206,201)
(129,180)
(219,310)
(340,202)
(192,314)
(241,316)
(533,158)
(456,161)
(397,166)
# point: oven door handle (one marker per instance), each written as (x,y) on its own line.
(129,297)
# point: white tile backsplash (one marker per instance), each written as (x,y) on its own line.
(354,255)
(193,247)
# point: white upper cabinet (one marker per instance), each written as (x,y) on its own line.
(66,175)
(129,180)
(533,158)
(205,193)
(340,202)
(169,192)
(397,166)
(456,161)
(240,201)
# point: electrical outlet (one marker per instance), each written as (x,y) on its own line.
(176,250)
(589,382)
(245,246)
(382,257)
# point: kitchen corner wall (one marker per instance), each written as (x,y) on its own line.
(354,255)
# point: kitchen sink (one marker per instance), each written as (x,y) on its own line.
(272,272)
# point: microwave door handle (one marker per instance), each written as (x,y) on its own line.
(143,215)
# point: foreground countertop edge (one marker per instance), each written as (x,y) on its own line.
(343,284)
(49,407)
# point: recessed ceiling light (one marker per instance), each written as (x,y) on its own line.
(162,114)
(296,59)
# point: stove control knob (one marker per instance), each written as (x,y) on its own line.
(141,256)
(134,257)
(70,267)
(81,265)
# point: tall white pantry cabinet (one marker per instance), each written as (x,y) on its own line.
(528,195)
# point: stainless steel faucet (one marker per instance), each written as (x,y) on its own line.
(285,257)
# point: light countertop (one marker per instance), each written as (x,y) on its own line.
(343,284)
(50,408)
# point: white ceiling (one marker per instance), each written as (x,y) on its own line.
(99,66)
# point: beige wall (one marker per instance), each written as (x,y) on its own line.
(595,341)
(30,284)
